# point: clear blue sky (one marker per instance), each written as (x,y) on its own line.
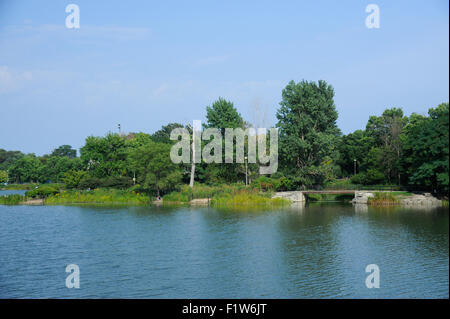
(147,63)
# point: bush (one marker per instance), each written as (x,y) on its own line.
(374,176)
(72,178)
(3,177)
(120,182)
(265,183)
(42,191)
(89,182)
(358,179)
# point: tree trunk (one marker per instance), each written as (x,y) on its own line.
(191,182)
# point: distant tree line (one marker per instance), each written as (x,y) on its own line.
(392,149)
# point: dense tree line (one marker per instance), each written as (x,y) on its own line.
(392,149)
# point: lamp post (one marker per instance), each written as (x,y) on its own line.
(354,166)
(246,171)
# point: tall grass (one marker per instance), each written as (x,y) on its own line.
(383,198)
(98,196)
(186,193)
(13,199)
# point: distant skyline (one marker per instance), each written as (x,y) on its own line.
(145,64)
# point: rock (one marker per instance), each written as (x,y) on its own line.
(295,196)
(199,201)
(362,197)
(425,200)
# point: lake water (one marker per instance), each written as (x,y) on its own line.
(319,251)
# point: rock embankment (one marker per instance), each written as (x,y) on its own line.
(425,200)
(420,200)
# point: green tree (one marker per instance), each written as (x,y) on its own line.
(221,115)
(386,131)
(307,130)
(154,168)
(54,167)
(163,135)
(105,156)
(25,169)
(426,149)
(64,150)
(73,178)
(3,177)
(8,157)
(353,146)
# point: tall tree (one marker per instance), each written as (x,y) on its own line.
(65,150)
(221,115)
(386,130)
(308,132)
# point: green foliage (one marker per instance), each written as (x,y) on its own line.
(105,156)
(7,158)
(426,149)
(73,178)
(248,200)
(163,135)
(99,196)
(308,134)
(222,114)
(153,167)
(119,182)
(383,198)
(25,169)
(13,199)
(373,176)
(265,183)
(42,191)
(3,176)
(89,182)
(64,151)
(53,168)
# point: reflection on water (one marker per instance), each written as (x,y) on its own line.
(317,251)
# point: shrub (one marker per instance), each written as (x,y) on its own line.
(89,182)
(3,177)
(120,182)
(42,191)
(265,183)
(72,178)
(358,178)
(374,176)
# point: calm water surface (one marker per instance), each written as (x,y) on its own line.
(319,251)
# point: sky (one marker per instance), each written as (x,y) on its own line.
(144,64)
